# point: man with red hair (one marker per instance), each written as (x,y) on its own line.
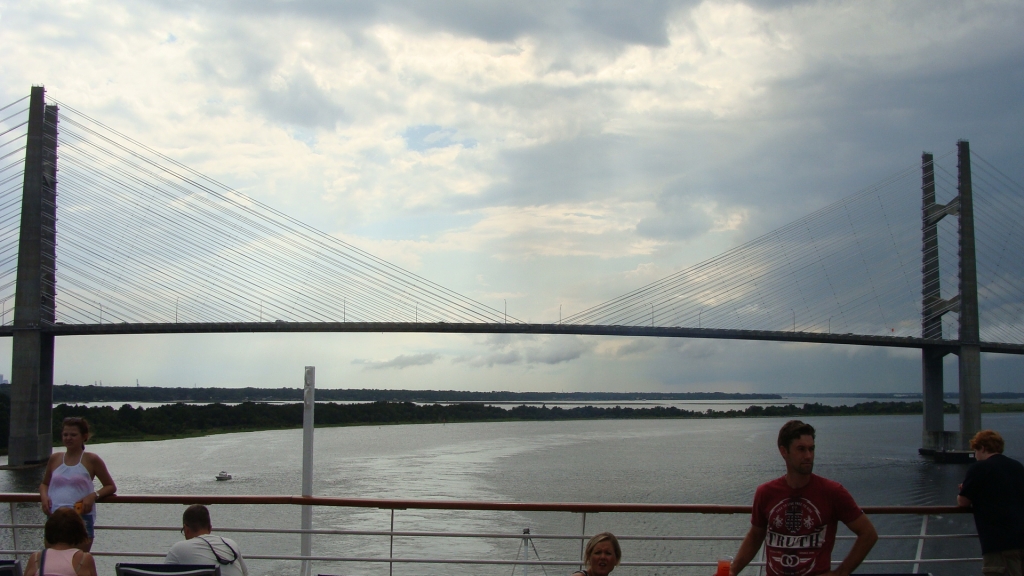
(994,488)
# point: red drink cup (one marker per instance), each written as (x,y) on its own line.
(724,564)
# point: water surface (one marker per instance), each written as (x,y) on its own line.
(674,461)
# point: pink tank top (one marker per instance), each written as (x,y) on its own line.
(59,562)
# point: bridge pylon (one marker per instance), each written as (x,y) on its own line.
(31,435)
(934,436)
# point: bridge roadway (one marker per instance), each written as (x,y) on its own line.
(951,346)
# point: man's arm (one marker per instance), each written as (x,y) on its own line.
(962,501)
(866,538)
(751,544)
(172,556)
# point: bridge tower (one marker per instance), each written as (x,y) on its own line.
(31,439)
(965,303)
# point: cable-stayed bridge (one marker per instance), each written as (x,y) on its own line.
(100,234)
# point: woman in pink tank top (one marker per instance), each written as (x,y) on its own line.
(68,481)
(64,532)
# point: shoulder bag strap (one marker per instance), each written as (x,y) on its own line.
(80,562)
(221,561)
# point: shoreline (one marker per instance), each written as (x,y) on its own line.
(190,421)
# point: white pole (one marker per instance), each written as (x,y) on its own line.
(307,465)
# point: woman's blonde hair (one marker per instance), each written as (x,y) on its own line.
(597,539)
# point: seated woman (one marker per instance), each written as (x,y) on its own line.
(601,555)
(64,532)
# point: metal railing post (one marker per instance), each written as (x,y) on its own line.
(920,544)
(526,551)
(14,530)
(391,552)
(583,538)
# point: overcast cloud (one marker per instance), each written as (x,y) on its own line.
(544,155)
(398,363)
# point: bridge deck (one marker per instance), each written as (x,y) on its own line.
(516,328)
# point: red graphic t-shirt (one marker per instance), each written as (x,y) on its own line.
(801,524)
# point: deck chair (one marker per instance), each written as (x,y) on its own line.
(127,569)
(10,568)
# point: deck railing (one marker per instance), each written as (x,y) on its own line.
(393,505)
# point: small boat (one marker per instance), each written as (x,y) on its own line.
(223,476)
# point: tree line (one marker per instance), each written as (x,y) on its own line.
(92,393)
(182,419)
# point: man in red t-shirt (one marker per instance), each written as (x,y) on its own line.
(796,516)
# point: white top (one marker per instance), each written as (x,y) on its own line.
(201,550)
(69,484)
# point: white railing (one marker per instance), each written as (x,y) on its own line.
(527,539)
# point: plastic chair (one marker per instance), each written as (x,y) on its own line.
(10,568)
(126,569)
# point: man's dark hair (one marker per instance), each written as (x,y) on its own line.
(65,526)
(792,430)
(196,518)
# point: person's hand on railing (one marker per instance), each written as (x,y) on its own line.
(86,504)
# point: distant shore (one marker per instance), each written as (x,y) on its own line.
(185,420)
(69,393)
(127,424)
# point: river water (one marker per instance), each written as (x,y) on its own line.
(674,461)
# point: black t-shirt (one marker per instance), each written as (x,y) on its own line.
(995,487)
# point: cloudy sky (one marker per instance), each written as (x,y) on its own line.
(545,154)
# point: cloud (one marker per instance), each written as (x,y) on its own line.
(425,137)
(701,349)
(492,359)
(685,216)
(506,349)
(400,362)
(297,99)
(559,350)
(578,168)
(596,22)
(625,347)
(552,153)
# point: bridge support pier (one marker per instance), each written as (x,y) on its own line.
(970,337)
(965,303)
(31,434)
(934,437)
